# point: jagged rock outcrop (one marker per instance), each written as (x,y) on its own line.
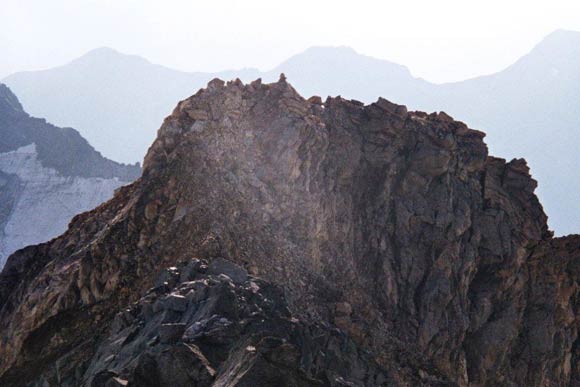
(216,326)
(47,175)
(395,228)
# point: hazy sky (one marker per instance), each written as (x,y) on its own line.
(441,40)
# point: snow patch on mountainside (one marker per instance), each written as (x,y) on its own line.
(48,200)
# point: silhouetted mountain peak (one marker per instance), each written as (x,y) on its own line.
(562,35)
(106,56)
(560,47)
(330,50)
(343,57)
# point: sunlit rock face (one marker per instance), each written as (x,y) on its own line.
(431,259)
(47,175)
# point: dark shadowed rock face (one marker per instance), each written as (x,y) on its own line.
(62,149)
(414,257)
(205,329)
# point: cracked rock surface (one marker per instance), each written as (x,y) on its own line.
(223,333)
(372,246)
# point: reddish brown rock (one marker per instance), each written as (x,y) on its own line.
(395,226)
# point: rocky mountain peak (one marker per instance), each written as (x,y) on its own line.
(392,228)
(9,104)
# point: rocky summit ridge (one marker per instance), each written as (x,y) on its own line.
(274,240)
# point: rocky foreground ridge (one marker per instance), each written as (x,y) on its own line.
(273,240)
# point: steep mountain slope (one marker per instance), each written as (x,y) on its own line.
(47,175)
(406,254)
(529,110)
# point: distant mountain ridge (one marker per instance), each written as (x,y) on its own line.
(528,110)
(62,149)
(47,175)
